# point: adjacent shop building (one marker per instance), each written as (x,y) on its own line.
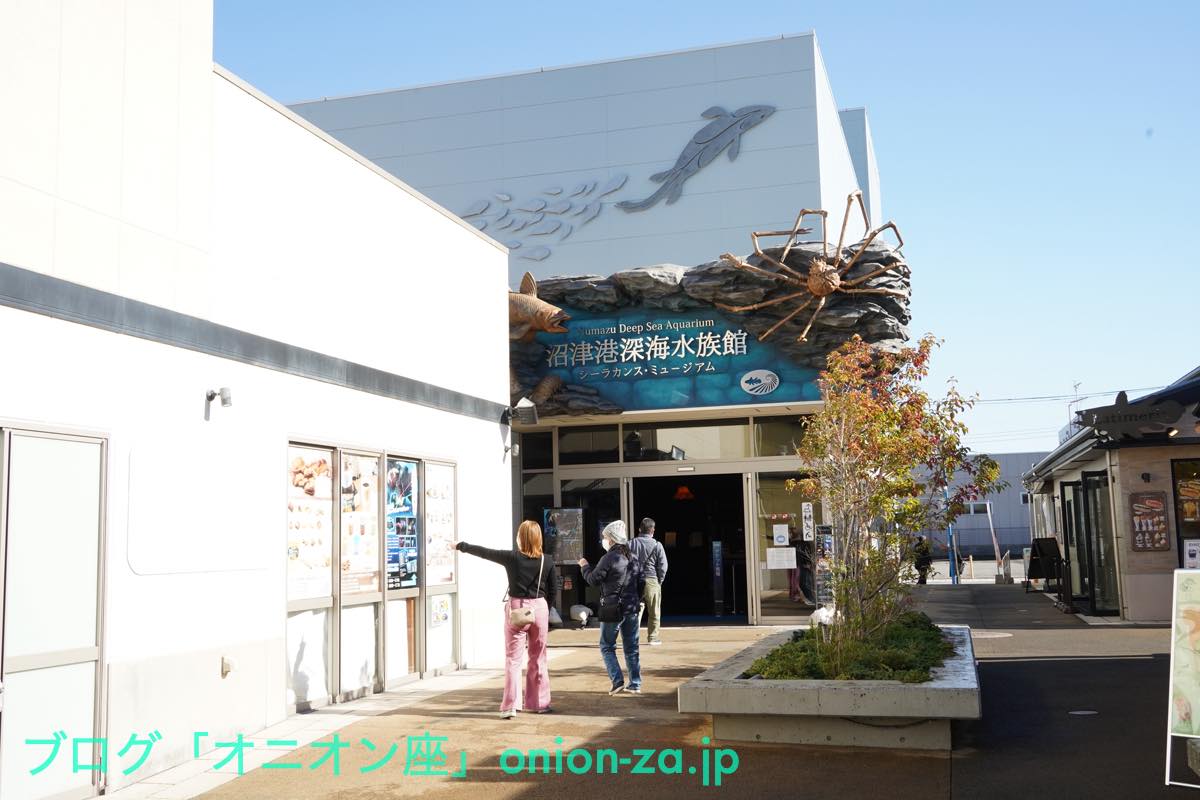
(1120,497)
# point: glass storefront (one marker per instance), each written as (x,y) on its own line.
(785,590)
(1072,525)
(590,445)
(685,441)
(1185,475)
(778,436)
(1100,543)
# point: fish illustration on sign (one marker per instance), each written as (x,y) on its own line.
(723,134)
(528,315)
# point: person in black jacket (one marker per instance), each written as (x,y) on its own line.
(621,585)
(530,577)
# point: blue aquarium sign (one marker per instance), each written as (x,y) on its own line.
(647,360)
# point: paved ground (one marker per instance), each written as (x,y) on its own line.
(1036,664)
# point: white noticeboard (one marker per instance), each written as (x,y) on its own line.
(1184,691)
(780,533)
(809,530)
(781,558)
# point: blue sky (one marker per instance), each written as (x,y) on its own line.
(1041,158)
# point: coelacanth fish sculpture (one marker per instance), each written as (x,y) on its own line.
(723,133)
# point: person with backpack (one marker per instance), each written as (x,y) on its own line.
(652,559)
(526,617)
(621,585)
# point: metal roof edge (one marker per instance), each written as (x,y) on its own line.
(537,70)
(1080,443)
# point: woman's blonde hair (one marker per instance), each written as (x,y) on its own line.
(529,539)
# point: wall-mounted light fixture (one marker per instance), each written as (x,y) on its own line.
(226,395)
(1145,477)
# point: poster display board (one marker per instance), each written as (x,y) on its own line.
(359,478)
(310,523)
(563,531)
(439,524)
(780,534)
(402,532)
(1148,521)
(824,565)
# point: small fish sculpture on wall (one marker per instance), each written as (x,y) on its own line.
(499,216)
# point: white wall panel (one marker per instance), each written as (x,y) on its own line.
(30,54)
(464,142)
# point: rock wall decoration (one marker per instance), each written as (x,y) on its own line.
(880,319)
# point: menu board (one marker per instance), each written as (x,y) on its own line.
(359,478)
(563,533)
(401,534)
(439,524)
(1148,520)
(310,523)
(1188,492)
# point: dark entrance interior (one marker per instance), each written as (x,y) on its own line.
(700,522)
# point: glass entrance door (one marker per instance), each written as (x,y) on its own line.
(601,502)
(51,547)
(1101,547)
(1077,562)
(785,537)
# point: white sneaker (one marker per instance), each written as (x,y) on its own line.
(655,642)
(508,713)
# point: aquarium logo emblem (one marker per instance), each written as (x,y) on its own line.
(760,382)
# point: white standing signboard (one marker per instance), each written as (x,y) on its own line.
(1183,702)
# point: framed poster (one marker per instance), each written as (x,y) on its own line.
(310,523)
(780,534)
(1148,521)
(562,530)
(439,610)
(439,524)
(359,478)
(402,554)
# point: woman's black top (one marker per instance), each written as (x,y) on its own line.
(522,570)
(610,575)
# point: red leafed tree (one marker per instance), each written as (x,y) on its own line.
(885,456)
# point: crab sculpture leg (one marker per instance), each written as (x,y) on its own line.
(855,195)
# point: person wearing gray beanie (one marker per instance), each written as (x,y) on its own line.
(621,585)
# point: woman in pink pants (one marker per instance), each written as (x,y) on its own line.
(529,584)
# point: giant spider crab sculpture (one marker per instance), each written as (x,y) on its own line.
(826,274)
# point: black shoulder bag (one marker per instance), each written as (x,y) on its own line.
(612,613)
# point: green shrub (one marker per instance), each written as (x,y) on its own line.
(905,650)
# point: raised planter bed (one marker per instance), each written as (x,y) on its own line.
(841,713)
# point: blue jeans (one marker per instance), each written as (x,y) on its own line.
(629,643)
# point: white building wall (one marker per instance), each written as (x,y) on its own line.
(862,152)
(104,151)
(129,166)
(521,135)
